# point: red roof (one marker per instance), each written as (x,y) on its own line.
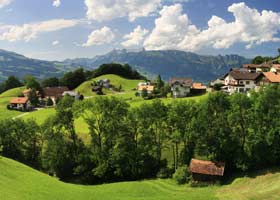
(272,77)
(19,100)
(207,167)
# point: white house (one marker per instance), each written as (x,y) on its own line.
(238,80)
(180,87)
(20,103)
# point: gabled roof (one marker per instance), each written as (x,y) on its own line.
(19,100)
(55,91)
(207,167)
(198,86)
(182,81)
(244,75)
(272,77)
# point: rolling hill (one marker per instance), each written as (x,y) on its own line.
(168,63)
(18,181)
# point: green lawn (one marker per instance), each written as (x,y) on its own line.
(19,182)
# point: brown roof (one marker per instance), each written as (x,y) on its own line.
(244,75)
(256,66)
(182,81)
(198,86)
(272,77)
(19,100)
(146,87)
(55,91)
(207,167)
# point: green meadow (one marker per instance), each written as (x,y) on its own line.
(20,182)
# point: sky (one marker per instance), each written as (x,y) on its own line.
(60,29)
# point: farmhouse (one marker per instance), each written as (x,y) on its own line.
(202,170)
(198,88)
(54,93)
(257,68)
(180,87)
(238,80)
(20,103)
(148,88)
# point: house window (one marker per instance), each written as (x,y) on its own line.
(241,82)
(241,89)
(247,82)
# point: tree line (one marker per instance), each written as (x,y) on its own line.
(129,143)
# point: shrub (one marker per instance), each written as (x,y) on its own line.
(49,102)
(182,175)
(165,173)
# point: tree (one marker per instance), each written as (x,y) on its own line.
(11,82)
(73,79)
(50,82)
(33,97)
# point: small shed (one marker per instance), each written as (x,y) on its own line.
(20,103)
(202,170)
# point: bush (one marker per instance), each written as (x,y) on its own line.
(182,175)
(165,173)
(49,102)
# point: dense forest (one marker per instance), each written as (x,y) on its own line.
(127,143)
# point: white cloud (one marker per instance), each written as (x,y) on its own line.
(173,29)
(135,38)
(101,36)
(109,9)
(56,42)
(27,32)
(4,3)
(56,3)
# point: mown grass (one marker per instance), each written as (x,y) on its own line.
(19,182)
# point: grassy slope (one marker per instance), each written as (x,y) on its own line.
(21,182)
(4,101)
(18,181)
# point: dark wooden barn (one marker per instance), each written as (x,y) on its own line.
(206,171)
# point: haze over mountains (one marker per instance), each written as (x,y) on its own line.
(168,63)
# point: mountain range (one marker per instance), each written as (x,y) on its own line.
(167,63)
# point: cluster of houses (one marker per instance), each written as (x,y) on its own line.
(179,87)
(249,77)
(53,93)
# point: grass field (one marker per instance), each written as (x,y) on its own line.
(19,182)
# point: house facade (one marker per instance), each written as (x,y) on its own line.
(180,87)
(241,81)
(20,103)
(54,93)
(149,88)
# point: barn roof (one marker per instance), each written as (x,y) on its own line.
(198,86)
(207,167)
(182,81)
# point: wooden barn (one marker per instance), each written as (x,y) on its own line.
(206,171)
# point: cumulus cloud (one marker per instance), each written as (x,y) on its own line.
(27,32)
(173,29)
(56,3)
(100,36)
(135,38)
(110,9)
(56,42)
(4,3)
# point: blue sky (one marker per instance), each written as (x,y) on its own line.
(60,29)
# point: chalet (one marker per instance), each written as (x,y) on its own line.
(257,68)
(180,87)
(148,88)
(54,93)
(202,170)
(20,103)
(238,80)
(270,78)
(105,83)
(198,88)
